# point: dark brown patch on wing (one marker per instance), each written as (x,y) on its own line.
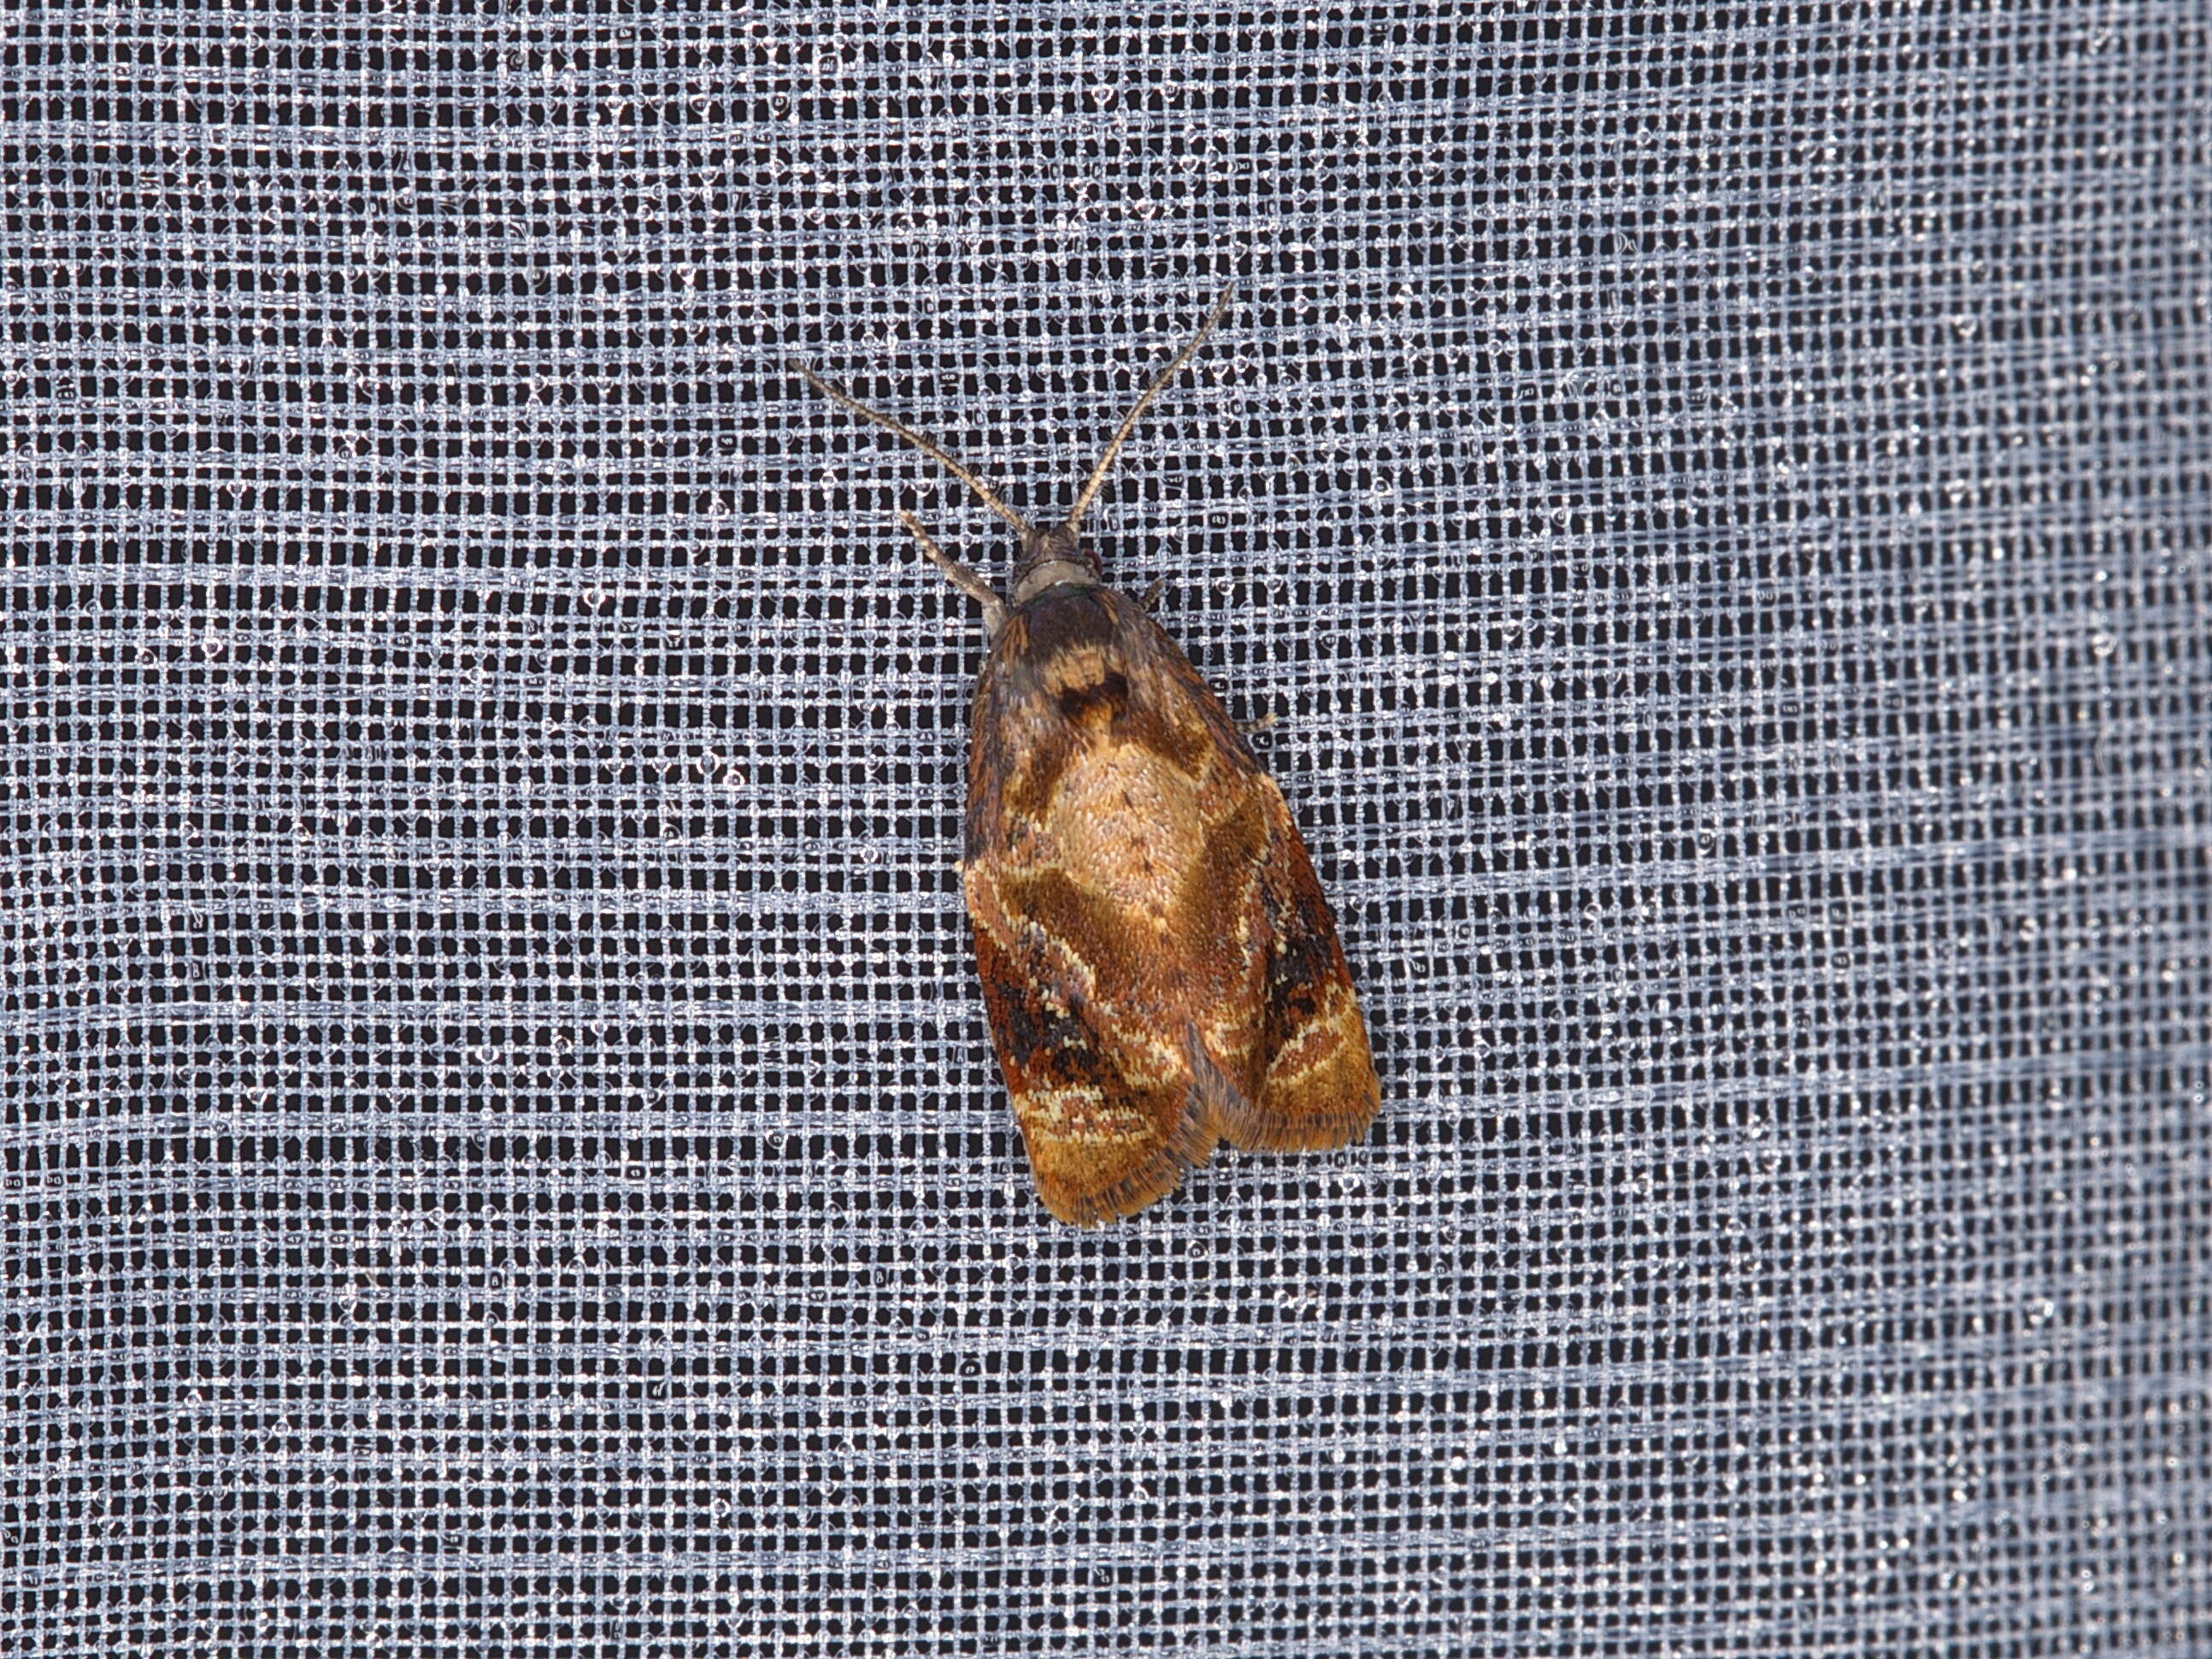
(1106,697)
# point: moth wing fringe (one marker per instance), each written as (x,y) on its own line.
(1256,1131)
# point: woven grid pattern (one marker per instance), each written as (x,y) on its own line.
(502,1155)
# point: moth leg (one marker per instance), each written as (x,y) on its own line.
(962,576)
(1154,589)
(1253,728)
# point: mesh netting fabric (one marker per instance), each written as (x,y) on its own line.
(502,1154)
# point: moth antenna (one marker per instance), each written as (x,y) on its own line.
(983,491)
(1129,421)
(962,576)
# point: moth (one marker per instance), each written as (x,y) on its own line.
(1161,970)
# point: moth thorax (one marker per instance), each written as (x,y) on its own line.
(1051,557)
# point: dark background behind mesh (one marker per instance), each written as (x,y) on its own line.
(502,1154)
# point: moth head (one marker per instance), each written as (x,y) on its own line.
(1051,556)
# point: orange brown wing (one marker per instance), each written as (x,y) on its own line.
(1316,1087)
(1159,965)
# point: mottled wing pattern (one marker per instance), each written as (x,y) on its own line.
(1317,1086)
(1159,965)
